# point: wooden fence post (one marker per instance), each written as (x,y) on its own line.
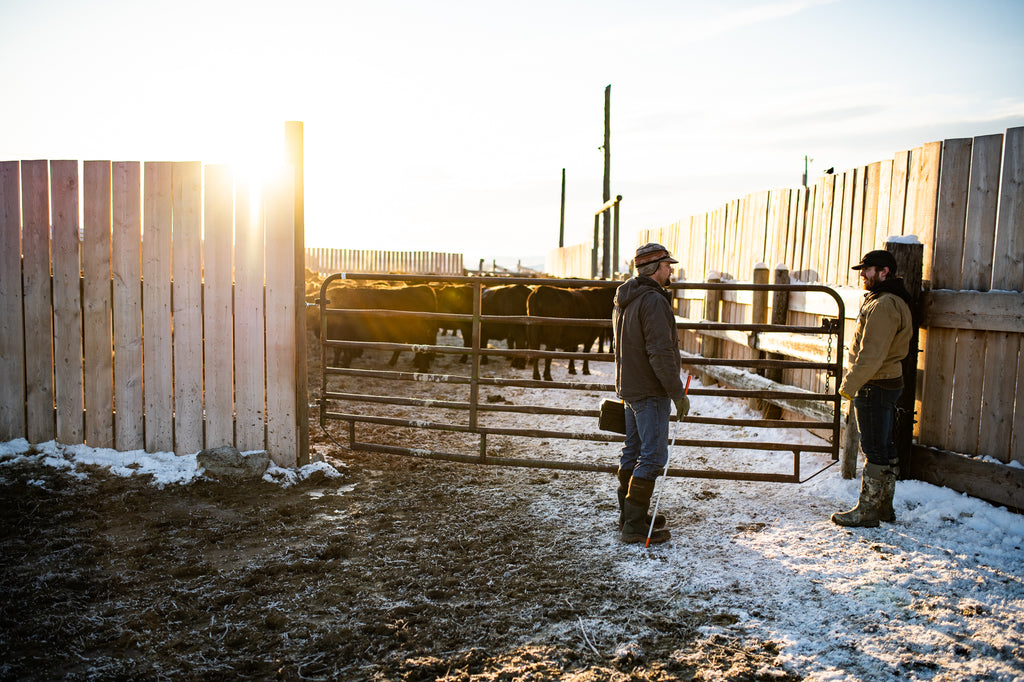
(780,315)
(909,265)
(709,345)
(758,315)
(294,143)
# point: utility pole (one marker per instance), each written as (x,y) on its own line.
(806,160)
(607,189)
(561,222)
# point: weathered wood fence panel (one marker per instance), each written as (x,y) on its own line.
(570,261)
(35,243)
(281,318)
(250,406)
(67,302)
(158,378)
(126,244)
(12,338)
(964,201)
(327,260)
(169,338)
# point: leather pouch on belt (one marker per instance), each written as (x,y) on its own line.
(612,416)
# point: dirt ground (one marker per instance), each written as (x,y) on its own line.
(402,571)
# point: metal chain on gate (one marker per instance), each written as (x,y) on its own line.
(828,357)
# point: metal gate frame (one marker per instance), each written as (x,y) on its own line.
(830,327)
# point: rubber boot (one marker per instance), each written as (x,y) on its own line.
(889,475)
(624,476)
(636,520)
(865,514)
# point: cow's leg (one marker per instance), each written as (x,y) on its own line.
(518,343)
(547,369)
(422,361)
(572,365)
(394,358)
(536,372)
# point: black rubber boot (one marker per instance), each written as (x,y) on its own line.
(624,476)
(636,521)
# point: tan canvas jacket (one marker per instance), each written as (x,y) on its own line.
(880,341)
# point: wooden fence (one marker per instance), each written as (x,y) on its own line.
(158,313)
(570,261)
(328,261)
(963,199)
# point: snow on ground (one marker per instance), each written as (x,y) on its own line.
(938,595)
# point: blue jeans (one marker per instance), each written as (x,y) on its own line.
(875,408)
(645,450)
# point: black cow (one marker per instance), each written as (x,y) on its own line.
(550,301)
(508,300)
(383,328)
(457,299)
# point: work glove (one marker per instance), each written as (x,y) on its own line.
(682,407)
(844,394)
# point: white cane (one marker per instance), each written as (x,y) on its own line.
(664,475)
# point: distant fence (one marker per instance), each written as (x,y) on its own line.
(964,201)
(329,261)
(170,318)
(570,261)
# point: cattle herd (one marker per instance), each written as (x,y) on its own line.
(400,324)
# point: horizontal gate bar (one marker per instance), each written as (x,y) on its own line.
(571,435)
(570,466)
(562,411)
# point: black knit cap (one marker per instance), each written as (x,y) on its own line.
(879,259)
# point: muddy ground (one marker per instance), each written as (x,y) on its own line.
(403,570)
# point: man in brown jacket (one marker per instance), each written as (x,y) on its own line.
(874,382)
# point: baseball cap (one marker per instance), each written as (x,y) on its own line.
(879,259)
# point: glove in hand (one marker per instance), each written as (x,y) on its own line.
(682,407)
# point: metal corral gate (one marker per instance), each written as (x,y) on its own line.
(829,334)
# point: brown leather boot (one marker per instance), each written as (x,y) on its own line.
(636,521)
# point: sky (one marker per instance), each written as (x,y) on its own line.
(938,595)
(445,126)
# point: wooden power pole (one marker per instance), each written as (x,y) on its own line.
(606,194)
(561,222)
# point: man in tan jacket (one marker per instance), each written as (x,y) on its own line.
(874,382)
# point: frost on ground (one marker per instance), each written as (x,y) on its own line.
(367,566)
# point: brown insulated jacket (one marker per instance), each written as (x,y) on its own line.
(880,341)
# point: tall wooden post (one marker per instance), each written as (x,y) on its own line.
(606,193)
(709,345)
(561,220)
(909,265)
(780,315)
(758,315)
(294,151)
(615,238)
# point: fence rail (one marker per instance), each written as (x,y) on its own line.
(151,331)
